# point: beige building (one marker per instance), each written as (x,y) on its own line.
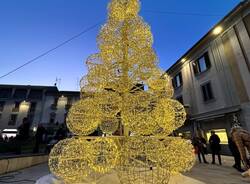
(40,104)
(212,79)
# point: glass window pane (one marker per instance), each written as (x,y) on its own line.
(222,135)
(178,81)
(202,64)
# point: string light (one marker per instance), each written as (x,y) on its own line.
(116,75)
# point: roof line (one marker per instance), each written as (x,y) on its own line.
(240,5)
(23,85)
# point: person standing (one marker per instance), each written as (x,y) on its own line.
(199,144)
(24,129)
(214,142)
(236,154)
(241,138)
(41,131)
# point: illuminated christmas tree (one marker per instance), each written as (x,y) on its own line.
(124,87)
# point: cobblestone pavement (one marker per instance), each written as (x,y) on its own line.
(206,173)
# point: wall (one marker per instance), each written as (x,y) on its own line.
(14,164)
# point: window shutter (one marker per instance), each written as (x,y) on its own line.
(180,75)
(207,60)
(195,68)
(173,83)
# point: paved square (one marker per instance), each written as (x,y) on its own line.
(205,173)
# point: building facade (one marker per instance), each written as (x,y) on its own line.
(40,104)
(212,79)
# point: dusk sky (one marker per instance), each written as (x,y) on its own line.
(31,27)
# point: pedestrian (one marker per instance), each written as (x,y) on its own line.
(61,133)
(23,135)
(215,147)
(236,154)
(40,133)
(199,144)
(24,129)
(241,138)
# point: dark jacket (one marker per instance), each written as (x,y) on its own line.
(233,148)
(242,140)
(214,142)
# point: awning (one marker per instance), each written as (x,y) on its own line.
(215,114)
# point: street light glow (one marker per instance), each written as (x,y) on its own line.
(183,60)
(217,30)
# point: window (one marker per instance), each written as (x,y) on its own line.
(55,101)
(16,107)
(69,101)
(32,110)
(54,105)
(13,118)
(202,64)
(35,94)
(2,106)
(177,80)
(52,117)
(20,93)
(180,99)
(5,92)
(207,92)
(222,134)
(32,107)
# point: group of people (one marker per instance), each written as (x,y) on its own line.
(41,136)
(200,146)
(239,144)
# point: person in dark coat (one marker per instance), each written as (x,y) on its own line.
(199,144)
(241,138)
(214,142)
(24,129)
(40,133)
(61,133)
(236,154)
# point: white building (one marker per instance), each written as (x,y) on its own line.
(40,104)
(213,77)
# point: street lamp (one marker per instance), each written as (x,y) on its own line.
(217,30)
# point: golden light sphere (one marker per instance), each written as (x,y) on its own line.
(109,125)
(137,113)
(179,155)
(69,160)
(180,113)
(139,160)
(161,85)
(120,10)
(108,102)
(83,117)
(164,115)
(124,86)
(104,155)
